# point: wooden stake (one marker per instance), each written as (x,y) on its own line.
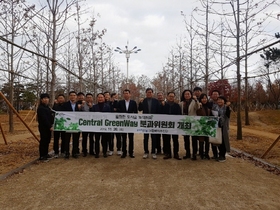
(271,146)
(4,137)
(15,111)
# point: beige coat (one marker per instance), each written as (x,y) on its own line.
(193,107)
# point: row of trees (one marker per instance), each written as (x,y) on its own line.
(52,47)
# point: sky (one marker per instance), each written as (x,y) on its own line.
(154,26)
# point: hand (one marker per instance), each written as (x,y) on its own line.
(163,103)
(194,97)
(79,106)
(51,129)
(228,103)
(89,105)
(200,105)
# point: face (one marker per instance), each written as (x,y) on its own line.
(73,97)
(81,97)
(89,98)
(160,97)
(45,100)
(187,95)
(100,98)
(171,97)
(220,102)
(126,95)
(197,93)
(149,94)
(107,96)
(215,96)
(204,100)
(60,99)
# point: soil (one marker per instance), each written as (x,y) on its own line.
(115,183)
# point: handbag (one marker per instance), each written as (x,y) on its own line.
(218,138)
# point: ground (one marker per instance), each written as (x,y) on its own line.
(115,183)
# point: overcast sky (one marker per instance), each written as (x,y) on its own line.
(151,25)
(154,26)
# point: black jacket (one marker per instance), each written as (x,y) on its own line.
(44,116)
(143,106)
(132,107)
(67,107)
(172,109)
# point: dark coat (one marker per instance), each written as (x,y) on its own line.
(155,107)
(45,117)
(132,107)
(58,107)
(67,107)
(95,108)
(173,109)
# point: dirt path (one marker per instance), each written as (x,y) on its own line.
(256,132)
(115,183)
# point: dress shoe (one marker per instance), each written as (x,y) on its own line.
(207,157)
(186,156)
(177,157)
(96,156)
(105,155)
(194,157)
(123,156)
(166,157)
(84,154)
(132,156)
(75,156)
(66,156)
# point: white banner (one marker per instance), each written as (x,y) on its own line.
(135,123)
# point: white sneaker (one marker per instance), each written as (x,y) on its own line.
(110,153)
(119,152)
(154,156)
(145,156)
(55,155)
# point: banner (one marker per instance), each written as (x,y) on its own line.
(135,123)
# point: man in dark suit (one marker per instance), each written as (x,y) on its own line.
(101,106)
(149,105)
(127,106)
(72,106)
(172,108)
(58,106)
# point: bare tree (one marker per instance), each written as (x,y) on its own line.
(13,18)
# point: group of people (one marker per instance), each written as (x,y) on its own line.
(193,103)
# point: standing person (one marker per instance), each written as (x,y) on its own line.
(160,98)
(224,115)
(189,105)
(127,106)
(58,106)
(45,125)
(213,105)
(172,108)
(149,105)
(196,92)
(101,106)
(114,105)
(86,108)
(80,102)
(72,106)
(203,140)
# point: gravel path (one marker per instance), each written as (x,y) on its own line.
(115,183)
